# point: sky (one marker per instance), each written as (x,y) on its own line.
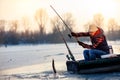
(83,10)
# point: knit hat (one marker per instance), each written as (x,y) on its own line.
(92,28)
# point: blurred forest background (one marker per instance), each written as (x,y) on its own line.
(10,33)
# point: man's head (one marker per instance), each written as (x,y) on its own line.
(92,29)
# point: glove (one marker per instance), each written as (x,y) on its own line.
(74,34)
(80,43)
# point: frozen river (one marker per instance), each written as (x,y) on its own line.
(33,62)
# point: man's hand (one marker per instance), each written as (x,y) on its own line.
(74,34)
(83,44)
(80,43)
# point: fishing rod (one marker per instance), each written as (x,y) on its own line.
(61,18)
(63,22)
(70,53)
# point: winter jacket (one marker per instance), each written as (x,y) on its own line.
(98,40)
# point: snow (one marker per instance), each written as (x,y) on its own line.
(30,55)
(33,62)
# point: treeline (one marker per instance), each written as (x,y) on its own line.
(12,35)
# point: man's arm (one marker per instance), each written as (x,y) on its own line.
(81,34)
(99,40)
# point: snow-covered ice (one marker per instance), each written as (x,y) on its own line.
(33,62)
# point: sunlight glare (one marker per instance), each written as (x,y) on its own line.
(83,10)
(108,8)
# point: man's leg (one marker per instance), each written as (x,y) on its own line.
(93,54)
(86,55)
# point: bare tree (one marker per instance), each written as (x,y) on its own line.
(2,31)
(14,25)
(26,23)
(113,29)
(98,19)
(2,25)
(41,17)
(112,24)
(56,22)
(69,20)
(86,26)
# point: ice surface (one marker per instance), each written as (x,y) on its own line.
(33,62)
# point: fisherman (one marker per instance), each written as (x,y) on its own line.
(99,44)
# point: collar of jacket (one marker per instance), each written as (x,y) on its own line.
(98,33)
